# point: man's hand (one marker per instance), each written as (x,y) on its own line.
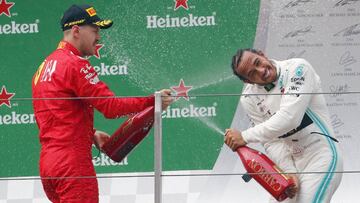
(166,98)
(100,138)
(291,191)
(233,139)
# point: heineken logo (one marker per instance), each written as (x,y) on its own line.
(19,28)
(12,118)
(5,8)
(181,3)
(182,90)
(104,160)
(14,27)
(106,70)
(190,20)
(191,111)
(5,97)
(15,118)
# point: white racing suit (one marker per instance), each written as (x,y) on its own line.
(295,129)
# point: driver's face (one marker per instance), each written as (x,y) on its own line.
(89,38)
(256,69)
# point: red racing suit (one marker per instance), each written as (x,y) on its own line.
(65,122)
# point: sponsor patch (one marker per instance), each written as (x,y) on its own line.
(299,71)
(91,11)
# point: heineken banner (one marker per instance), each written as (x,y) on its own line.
(186,46)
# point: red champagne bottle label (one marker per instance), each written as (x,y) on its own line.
(265,172)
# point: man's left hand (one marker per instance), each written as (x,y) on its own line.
(234,139)
(100,138)
(293,190)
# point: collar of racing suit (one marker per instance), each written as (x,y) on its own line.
(67,46)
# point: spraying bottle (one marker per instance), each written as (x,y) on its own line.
(265,172)
(129,134)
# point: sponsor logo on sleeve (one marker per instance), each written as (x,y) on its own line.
(90,75)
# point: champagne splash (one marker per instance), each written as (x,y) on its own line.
(211,125)
(213,83)
(205,120)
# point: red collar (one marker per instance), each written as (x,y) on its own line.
(67,46)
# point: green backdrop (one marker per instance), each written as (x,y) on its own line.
(151,46)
